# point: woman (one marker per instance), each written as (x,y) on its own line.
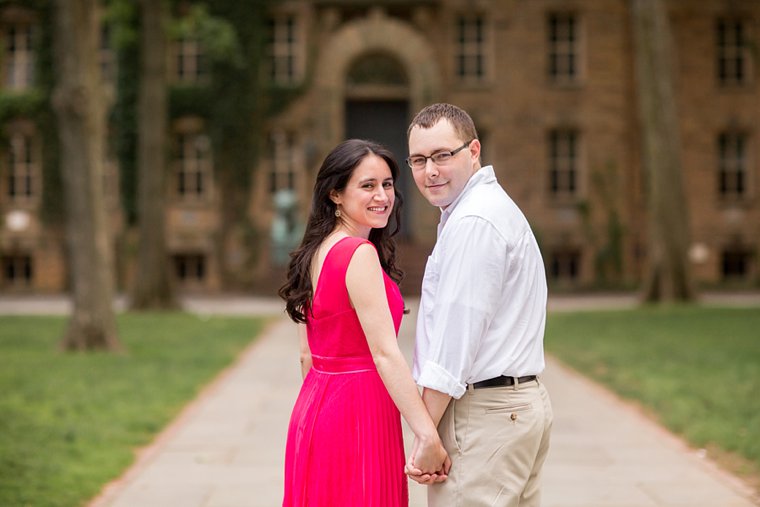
(344,441)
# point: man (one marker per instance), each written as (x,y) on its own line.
(479,345)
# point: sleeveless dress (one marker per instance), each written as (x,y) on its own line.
(345,444)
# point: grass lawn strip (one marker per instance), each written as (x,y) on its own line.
(69,423)
(696,369)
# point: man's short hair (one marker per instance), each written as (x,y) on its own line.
(459,119)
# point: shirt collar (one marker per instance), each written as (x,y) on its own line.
(482,176)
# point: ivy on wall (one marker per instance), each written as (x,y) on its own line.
(21,104)
(232,35)
(235,102)
(606,239)
(191,100)
(236,122)
(123,20)
(34,104)
(52,195)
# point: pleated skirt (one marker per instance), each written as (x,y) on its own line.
(345,445)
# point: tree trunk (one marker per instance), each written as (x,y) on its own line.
(668,275)
(152,286)
(78,100)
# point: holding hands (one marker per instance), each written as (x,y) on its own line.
(428,463)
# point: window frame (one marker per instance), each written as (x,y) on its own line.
(285,49)
(284,162)
(472,49)
(19,64)
(738,51)
(564,49)
(10,261)
(193,175)
(22,171)
(559,259)
(190,62)
(196,268)
(564,154)
(745,257)
(733,169)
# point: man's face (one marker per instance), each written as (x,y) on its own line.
(442,184)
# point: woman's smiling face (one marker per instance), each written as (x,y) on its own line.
(367,201)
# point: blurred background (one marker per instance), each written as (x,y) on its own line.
(256,92)
(164,151)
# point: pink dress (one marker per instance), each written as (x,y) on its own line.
(345,445)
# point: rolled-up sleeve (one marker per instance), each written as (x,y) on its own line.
(470,265)
(437,377)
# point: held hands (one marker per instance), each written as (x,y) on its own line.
(428,463)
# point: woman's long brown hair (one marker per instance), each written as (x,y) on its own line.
(334,174)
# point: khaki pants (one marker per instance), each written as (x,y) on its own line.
(497,438)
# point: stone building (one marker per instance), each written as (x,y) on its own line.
(551,87)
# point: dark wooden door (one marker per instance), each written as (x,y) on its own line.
(385,121)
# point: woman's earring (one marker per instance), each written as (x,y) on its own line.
(337,213)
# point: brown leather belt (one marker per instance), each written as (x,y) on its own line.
(502,381)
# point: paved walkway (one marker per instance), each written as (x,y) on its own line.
(226,448)
(58,304)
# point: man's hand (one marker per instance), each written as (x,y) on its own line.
(436,403)
(434,473)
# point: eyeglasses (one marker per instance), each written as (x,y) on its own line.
(438,158)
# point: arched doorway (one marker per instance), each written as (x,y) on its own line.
(377,108)
(378,38)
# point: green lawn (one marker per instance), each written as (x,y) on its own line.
(71,422)
(697,369)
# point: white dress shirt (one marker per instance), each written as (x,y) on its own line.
(483,303)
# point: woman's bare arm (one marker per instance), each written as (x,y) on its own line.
(366,288)
(305,351)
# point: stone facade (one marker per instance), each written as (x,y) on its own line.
(551,86)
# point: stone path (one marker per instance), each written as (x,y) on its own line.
(226,449)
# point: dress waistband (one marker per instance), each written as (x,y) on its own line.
(345,364)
